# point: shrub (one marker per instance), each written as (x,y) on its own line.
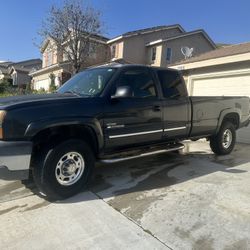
(52,86)
(4,85)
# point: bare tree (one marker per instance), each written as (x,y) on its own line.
(72,28)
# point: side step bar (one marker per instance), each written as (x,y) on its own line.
(175,147)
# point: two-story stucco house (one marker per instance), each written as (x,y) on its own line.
(56,63)
(160,46)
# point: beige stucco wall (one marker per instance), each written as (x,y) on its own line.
(196,41)
(42,80)
(101,55)
(133,48)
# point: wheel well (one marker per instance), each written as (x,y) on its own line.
(55,135)
(233,118)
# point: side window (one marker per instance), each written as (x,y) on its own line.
(171,83)
(113,51)
(153,54)
(168,55)
(140,82)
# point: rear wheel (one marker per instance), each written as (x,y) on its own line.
(223,143)
(63,170)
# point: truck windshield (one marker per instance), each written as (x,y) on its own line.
(89,82)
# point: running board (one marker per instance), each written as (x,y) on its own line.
(179,146)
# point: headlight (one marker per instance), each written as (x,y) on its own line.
(2,115)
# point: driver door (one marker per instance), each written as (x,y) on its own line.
(135,120)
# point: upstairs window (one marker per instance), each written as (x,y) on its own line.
(153,54)
(113,51)
(49,58)
(92,50)
(168,55)
(14,79)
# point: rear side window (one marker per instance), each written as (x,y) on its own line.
(171,83)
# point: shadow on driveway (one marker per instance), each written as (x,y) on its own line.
(139,176)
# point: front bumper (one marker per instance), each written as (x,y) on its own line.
(15,160)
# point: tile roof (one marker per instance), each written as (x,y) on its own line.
(201,31)
(3,69)
(6,64)
(20,69)
(28,63)
(151,29)
(147,30)
(220,52)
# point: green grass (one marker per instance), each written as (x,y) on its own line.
(5,95)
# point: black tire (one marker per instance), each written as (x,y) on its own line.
(218,143)
(45,164)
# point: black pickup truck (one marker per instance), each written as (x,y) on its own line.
(108,113)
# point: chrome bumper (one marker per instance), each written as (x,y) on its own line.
(15,159)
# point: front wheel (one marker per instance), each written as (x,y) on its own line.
(63,170)
(223,143)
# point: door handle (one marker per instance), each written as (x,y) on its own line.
(157,108)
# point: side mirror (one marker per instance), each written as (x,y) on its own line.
(122,92)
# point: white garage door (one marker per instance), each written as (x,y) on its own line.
(42,84)
(230,85)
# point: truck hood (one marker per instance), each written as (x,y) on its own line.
(8,102)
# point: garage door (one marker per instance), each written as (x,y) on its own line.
(42,84)
(230,85)
(237,85)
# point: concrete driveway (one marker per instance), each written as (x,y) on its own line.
(192,200)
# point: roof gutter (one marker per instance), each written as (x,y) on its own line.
(213,62)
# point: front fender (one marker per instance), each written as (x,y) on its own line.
(36,127)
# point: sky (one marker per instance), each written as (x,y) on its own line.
(225,21)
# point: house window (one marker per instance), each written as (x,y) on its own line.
(168,55)
(49,58)
(113,51)
(92,50)
(14,79)
(153,54)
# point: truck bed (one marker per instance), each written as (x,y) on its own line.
(206,112)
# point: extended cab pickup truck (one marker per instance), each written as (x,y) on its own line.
(108,113)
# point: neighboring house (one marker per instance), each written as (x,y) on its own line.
(4,71)
(20,76)
(18,73)
(56,63)
(160,46)
(225,71)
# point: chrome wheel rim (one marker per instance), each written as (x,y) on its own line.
(227,139)
(69,168)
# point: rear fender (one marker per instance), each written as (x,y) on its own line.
(226,112)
